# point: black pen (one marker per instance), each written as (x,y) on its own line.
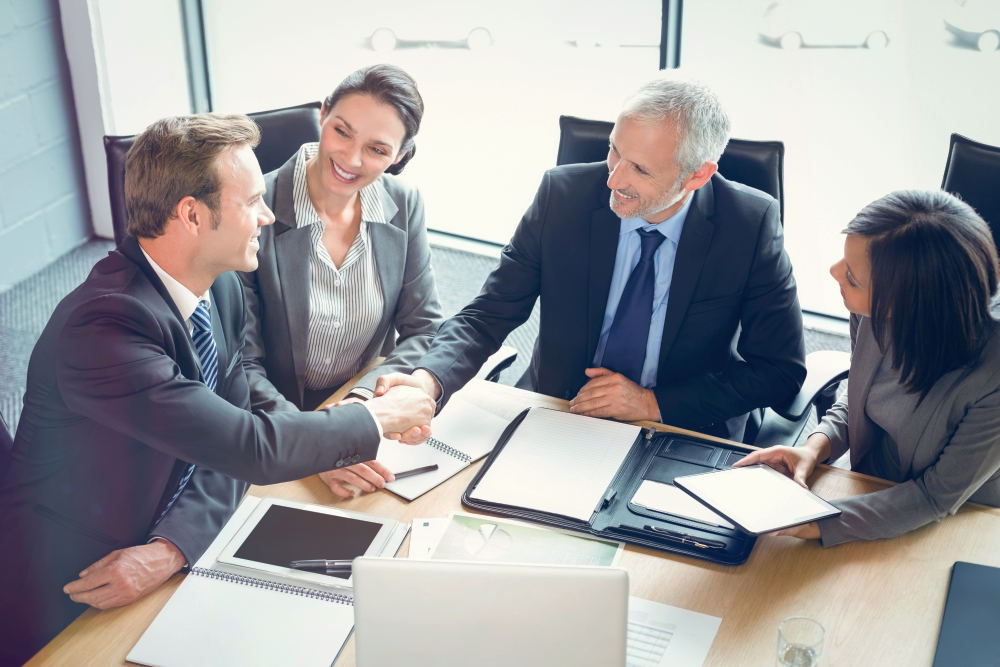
(415,471)
(322,565)
(684,538)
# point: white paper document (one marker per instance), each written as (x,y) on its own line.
(462,433)
(669,499)
(659,635)
(557,462)
(425,535)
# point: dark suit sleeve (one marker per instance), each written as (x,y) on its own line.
(464,342)
(770,366)
(117,365)
(207,502)
(264,395)
(418,311)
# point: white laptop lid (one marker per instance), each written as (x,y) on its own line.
(442,613)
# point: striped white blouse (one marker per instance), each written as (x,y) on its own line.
(346,302)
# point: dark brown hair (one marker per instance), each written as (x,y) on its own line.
(175,158)
(933,272)
(389,85)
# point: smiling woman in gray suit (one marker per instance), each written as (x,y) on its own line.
(923,399)
(344,273)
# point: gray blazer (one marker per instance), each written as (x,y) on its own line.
(278,293)
(949,450)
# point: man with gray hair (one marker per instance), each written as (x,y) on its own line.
(676,303)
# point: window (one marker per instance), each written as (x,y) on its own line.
(864,93)
(494,77)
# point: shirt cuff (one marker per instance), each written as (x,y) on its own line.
(378,424)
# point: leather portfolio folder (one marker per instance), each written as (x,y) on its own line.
(639,505)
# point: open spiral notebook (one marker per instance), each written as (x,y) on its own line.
(462,434)
(226,615)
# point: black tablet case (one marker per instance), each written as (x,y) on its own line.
(970,627)
(658,456)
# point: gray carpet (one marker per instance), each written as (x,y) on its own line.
(26,307)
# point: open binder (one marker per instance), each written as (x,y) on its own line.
(610,480)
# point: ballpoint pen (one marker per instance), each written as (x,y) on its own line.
(415,471)
(322,565)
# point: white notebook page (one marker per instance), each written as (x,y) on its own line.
(557,462)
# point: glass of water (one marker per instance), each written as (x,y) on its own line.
(800,642)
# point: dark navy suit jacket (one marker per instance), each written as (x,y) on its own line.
(732,339)
(115,409)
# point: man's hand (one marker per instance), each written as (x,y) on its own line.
(404,412)
(125,575)
(419,378)
(610,394)
(369,476)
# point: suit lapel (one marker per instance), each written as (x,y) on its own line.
(864,365)
(604,230)
(692,249)
(388,247)
(130,248)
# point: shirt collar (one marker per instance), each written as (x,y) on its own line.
(305,213)
(670,228)
(185,300)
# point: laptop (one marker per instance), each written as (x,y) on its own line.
(439,613)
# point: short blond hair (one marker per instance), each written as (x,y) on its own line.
(175,158)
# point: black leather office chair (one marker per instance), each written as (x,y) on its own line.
(973,173)
(759,164)
(282,131)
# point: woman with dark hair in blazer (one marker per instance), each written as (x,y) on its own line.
(344,273)
(923,400)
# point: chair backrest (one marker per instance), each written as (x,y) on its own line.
(282,131)
(973,173)
(759,164)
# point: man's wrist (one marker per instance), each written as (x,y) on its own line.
(429,382)
(653,407)
(170,550)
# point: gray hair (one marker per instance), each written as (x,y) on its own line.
(703,124)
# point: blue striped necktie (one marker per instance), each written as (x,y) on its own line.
(625,350)
(204,344)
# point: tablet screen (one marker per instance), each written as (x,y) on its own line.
(757,498)
(278,533)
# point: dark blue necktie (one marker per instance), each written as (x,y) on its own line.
(204,344)
(625,350)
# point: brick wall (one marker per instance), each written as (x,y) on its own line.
(43,207)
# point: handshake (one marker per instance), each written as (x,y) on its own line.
(404,404)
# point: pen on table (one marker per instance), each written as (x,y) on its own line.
(415,471)
(322,565)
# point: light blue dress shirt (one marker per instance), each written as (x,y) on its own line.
(626,258)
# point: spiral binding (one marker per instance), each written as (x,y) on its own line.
(340,598)
(450,451)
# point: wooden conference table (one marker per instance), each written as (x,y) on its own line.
(880,602)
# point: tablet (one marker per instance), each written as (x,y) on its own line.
(280,531)
(758,499)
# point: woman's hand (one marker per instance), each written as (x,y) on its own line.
(805,531)
(795,462)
